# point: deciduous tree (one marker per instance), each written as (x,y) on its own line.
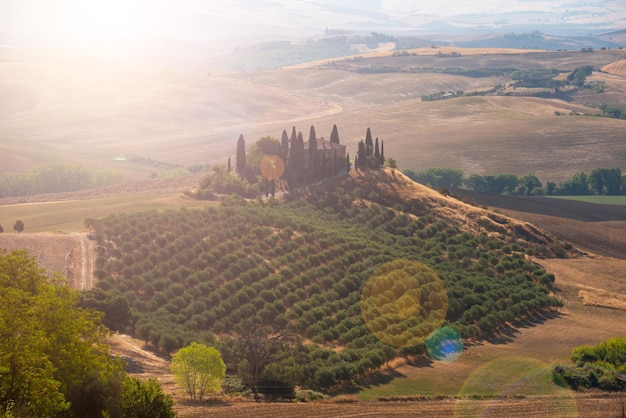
(199,369)
(18,226)
(146,399)
(52,357)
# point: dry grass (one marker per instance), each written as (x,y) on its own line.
(541,340)
(617,68)
(90,111)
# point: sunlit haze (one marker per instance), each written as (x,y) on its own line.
(119,24)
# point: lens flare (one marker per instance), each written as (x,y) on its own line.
(509,377)
(444,345)
(272,167)
(403,302)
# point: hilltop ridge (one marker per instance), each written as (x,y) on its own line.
(393,189)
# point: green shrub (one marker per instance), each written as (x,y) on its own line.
(145,399)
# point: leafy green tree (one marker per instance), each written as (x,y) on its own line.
(145,399)
(52,356)
(258,345)
(437,177)
(18,226)
(199,369)
(579,75)
(113,305)
(476,182)
(106,177)
(502,183)
(578,185)
(606,181)
(528,183)
(263,147)
(56,176)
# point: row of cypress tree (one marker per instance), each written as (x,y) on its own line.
(303,165)
(370,154)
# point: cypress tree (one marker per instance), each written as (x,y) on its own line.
(294,136)
(292,166)
(297,159)
(347,162)
(334,135)
(229,168)
(377,151)
(369,144)
(284,149)
(382,152)
(241,155)
(313,162)
(362,154)
(284,146)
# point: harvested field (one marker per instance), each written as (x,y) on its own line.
(593,228)
(184,118)
(617,68)
(90,113)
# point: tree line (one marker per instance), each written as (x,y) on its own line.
(601,181)
(55,177)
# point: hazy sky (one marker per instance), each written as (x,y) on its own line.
(118,21)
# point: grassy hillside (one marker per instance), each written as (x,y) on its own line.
(88,111)
(301,266)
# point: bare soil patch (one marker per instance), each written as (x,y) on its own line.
(70,255)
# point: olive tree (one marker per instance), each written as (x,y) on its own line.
(198,369)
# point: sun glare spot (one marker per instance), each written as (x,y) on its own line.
(109,24)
